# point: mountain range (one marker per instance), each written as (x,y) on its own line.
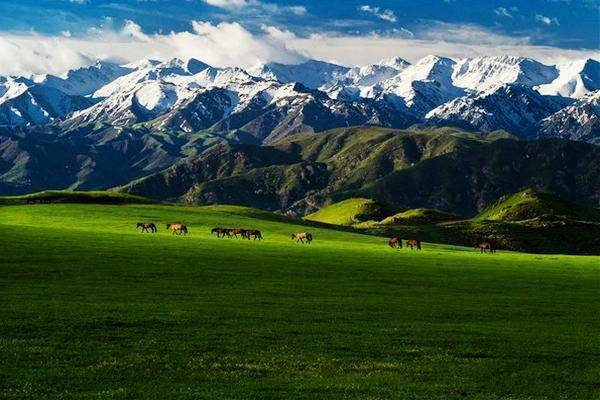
(271,101)
(187,131)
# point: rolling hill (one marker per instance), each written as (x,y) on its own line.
(529,221)
(441,169)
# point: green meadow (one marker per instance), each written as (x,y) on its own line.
(92,309)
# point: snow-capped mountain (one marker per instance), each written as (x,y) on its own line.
(579,121)
(312,74)
(83,81)
(37,105)
(481,73)
(575,79)
(511,107)
(274,100)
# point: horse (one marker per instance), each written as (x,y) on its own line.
(235,232)
(221,232)
(252,232)
(486,246)
(177,229)
(147,227)
(395,242)
(413,243)
(301,236)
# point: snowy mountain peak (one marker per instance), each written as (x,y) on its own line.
(482,72)
(394,62)
(575,79)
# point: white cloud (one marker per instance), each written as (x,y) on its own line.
(225,44)
(227,4)
(230,44)
(243,5)
(546,20)
(502,12)
(386,15)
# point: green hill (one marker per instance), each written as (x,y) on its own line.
(436,169)
(92,308)
(529,204)
(351,212)
(420,216)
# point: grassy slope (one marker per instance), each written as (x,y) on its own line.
(529,204)
(93,309)
(350,211)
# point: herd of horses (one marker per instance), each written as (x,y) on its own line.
(394,242)
(237,232)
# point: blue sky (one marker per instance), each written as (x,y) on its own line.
(561,23)
(70,33)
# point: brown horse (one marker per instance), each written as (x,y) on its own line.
(147,227)
(177,229)
(235,232)
(221,232)
(247,233)
(395,242)
(413,243)
(302,236)
(486,246)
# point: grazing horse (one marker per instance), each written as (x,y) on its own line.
(177,229)
(301,236)
(221,232)
(395,242)
(235,232)
(147,227)
(252,232)
(413,243)
(486,246)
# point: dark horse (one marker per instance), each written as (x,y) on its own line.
(177,229)
(221,232)
(147,227)
(413,243)
(395,242)
(486,246)
(247,233)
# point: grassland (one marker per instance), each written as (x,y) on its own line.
(92,309)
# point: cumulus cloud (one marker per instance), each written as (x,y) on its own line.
(383,14)
(224,44)
(230,44)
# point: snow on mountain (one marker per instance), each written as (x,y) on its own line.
(312,74)
(578,121)
(515,108)
(39,105)
(482,73)
(11,87)
(273,100)
(575,79)
(422,86)
(83,81)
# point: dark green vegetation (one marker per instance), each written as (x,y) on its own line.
(92,309)
(529,220)
(438,169)
(67,196)
(442,168)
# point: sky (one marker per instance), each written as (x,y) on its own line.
(51,36)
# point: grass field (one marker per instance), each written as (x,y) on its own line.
(92,309)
